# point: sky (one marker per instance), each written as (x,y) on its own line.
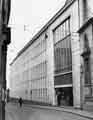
(26,19)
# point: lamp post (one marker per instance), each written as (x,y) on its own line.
(4,41)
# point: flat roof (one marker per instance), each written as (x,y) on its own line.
(66,5)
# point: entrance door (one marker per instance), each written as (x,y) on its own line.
(64,96)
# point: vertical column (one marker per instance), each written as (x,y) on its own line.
(50,68)
(76,69)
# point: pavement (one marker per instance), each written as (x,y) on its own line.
(41,112)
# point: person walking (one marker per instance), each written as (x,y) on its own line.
(59,98)
(20,102)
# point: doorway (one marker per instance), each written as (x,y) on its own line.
(64,96)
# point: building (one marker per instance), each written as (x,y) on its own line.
(56,65)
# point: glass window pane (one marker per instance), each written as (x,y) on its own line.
(62,48)
(63,57)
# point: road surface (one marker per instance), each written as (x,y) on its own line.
(28,112)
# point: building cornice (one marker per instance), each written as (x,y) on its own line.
(85,24)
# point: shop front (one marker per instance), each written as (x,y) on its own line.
(64,96)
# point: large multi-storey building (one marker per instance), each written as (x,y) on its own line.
(56,66)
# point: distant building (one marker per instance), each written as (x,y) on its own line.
(56,66)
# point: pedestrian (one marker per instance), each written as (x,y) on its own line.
(59,98)
(20,102)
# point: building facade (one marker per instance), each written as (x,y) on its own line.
(55,67)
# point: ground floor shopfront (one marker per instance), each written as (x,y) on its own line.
(64,96)
(64,89)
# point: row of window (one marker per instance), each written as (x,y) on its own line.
(39,95)
(39,48)
(33,53)
(41,83)
(37,72)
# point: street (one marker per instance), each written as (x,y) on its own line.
(26,112)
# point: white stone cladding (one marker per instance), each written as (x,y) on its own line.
(76,69)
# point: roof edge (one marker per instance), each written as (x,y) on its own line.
(85,24)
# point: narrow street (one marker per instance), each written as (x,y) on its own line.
(28,112)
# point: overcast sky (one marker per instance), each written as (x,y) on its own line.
(27,18)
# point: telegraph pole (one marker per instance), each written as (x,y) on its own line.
(4,41)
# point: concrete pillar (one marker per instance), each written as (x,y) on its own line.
(50,68)
(76,69)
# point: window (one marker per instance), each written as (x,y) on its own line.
(62,31)
(85,9)
(62,48)
(87,71)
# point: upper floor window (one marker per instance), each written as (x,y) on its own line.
(62,31)
(62,48)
